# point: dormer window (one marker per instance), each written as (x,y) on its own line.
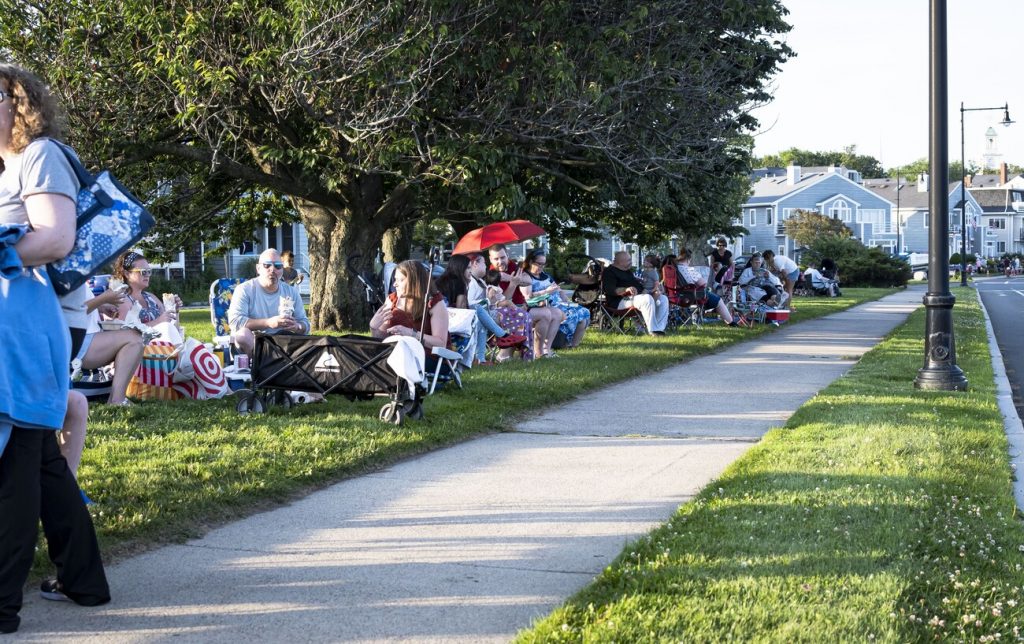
(840,210)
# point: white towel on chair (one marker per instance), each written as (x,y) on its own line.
(407,360)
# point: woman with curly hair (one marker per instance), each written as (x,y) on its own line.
(38,189)
(133,269)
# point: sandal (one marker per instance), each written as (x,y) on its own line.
(509,340)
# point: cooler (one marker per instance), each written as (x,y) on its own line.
(778,315)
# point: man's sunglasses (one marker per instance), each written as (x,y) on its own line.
(145,272)
(277,265)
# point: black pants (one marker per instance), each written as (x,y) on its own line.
(35,483)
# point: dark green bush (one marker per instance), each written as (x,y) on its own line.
(859,265)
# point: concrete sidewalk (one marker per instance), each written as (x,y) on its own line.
(473,542)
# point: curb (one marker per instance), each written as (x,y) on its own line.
(1011,420)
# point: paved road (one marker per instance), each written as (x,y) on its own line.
(472,542)
(1004,300)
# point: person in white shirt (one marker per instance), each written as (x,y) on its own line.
(821,284)
(786,270)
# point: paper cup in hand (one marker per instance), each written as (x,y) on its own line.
(286,306)
(170,303)
(117,285)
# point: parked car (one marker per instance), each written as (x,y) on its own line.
(740,264)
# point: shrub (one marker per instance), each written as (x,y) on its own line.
(194,288)
(859,265)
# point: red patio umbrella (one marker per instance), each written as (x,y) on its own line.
(500,232)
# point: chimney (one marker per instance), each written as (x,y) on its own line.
(922,182)
(967,180)
(792,175)
(1002,174)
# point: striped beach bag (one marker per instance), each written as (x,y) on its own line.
(154,379)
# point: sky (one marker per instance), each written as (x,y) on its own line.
(861,72)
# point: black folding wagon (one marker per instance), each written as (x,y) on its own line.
(353,366)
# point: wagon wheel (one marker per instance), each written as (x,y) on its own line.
(283,399)
(393,413)
(250,402)
(414,409)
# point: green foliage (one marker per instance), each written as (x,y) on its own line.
(805,227)
(880,512)
(428,233)
(362,116)
(859,265)
(955,258)
(195,288)
(869,167)
(911,170)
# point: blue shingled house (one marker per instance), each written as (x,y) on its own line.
(777,193)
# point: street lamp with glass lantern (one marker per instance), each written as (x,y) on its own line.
(963,181)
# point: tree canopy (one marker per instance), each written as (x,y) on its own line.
(868,166)
(806,227)
(361,116)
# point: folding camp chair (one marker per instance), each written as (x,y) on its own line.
(691,300)
(221,291)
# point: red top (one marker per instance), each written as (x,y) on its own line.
(400,317)
(517,295)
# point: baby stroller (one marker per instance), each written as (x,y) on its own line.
(588,285)
(377,286)
(588,281)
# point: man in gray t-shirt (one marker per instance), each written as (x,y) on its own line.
(256,304)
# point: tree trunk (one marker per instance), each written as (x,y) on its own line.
(397,243)
(698,247)
(343,242)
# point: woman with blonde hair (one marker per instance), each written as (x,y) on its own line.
(38,189)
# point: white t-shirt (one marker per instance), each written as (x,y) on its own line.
(817,279)
(476,293)
(784,264)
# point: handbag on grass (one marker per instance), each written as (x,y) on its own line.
(109,221)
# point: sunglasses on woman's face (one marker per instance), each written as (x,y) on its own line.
(276,265)
(145,272)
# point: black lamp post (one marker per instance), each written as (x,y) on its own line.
(963,181)
(940,370)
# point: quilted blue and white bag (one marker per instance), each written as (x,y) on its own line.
(110,221)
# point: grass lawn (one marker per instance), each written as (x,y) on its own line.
(878,512)
(166,471)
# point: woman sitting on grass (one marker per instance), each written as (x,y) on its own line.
(121,348)
(576,318)
(133,269)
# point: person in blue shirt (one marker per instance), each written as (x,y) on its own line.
(37,226)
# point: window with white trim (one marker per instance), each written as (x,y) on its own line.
(1000,247)
(840,210)
(768,216)
(782,251)
(752,214)
(997,223)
